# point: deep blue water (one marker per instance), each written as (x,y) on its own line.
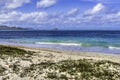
(93,41)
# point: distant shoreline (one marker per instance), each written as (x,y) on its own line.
(65,30)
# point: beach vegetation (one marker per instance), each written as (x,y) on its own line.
(12,51)
(83,69)
(86,70)
(2,70)
(69,69)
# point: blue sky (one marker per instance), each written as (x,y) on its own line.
(62,14)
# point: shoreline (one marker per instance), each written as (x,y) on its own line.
(74,55)
(94,49)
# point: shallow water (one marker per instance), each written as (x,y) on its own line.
(88,41)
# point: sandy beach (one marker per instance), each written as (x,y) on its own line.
(63,55)
(75,55)
(47,56)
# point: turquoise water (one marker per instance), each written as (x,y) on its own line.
(94,41)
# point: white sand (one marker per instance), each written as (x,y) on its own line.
(42,55)
(57,55)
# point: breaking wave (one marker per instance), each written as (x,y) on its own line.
(64,44)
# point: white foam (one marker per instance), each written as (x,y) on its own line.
(64,44)
(112,47)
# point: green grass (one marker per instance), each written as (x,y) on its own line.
(12,51)
(87,69)
(15,68)
(2,69)
(34,67)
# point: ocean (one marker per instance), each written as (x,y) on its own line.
(86,41)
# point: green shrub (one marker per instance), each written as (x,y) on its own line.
(12,51)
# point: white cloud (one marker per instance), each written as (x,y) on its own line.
(12,4)
(96,9)
(39,18)
(26,18)
(8,17)
(112,17)
(45,3)
(99,7)
(73,12)
(34,17)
